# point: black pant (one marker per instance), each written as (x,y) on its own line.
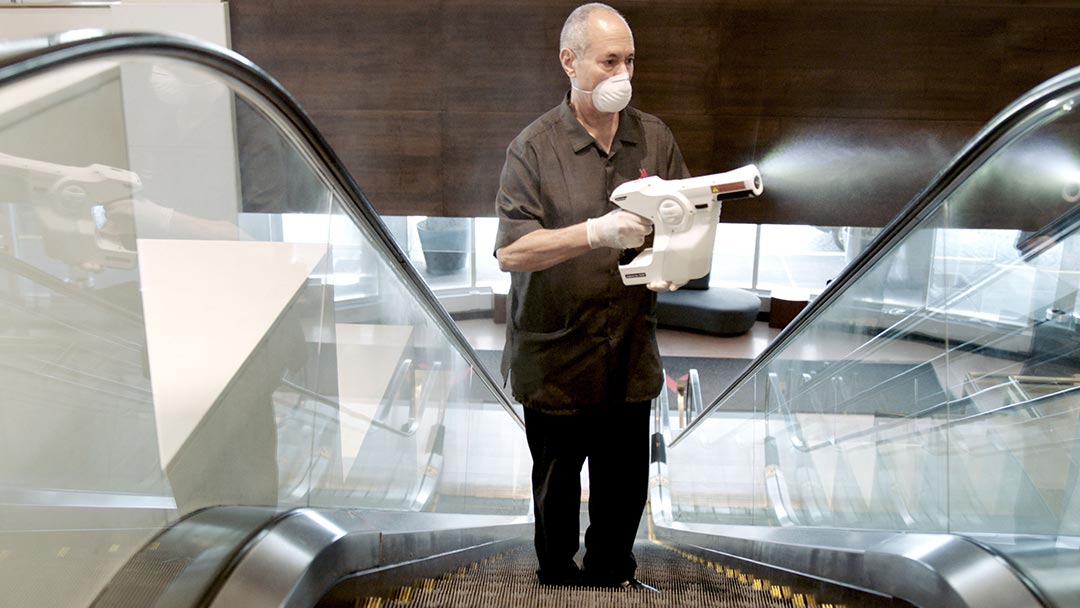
(615,439)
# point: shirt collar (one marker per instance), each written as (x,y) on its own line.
(629,127)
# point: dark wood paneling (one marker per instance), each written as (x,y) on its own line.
(845,171)
(396,157)
(668,81)
(717,143)
(494,62)
(474,149)
(1041,44)
(420,98)
(344,55)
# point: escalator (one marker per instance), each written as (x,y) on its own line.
(225,385)
(918,423)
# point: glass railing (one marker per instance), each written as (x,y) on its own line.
(173,336)
(929,389)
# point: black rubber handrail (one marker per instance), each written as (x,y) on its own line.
(28,59)
(1025,111)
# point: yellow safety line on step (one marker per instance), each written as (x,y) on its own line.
(798,600)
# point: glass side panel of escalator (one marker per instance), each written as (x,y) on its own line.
(191,316)
(940,391)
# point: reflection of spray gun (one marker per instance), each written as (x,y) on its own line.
(684,213)
(69,205)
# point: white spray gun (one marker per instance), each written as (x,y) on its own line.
(684,213)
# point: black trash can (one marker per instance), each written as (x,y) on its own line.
(445,243)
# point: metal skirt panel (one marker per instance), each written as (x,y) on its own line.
(931,570)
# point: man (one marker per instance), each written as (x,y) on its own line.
(581,345)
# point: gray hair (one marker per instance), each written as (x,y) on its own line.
(574,31)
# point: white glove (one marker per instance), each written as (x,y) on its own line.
(662,286)
(618,229)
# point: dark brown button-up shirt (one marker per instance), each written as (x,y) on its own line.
(576,336)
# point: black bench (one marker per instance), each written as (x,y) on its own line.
(722,311)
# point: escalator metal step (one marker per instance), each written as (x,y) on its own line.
(683,579)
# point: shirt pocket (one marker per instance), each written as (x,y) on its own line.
(557,370)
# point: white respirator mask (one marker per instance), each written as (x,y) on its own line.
(610,95)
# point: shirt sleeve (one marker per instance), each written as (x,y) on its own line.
(518,204)
(676,166)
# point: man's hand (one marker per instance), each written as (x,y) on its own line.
(122,217)
(619,230)
(662,286)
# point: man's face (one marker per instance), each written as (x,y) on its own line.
(609,51)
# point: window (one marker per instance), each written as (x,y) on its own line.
(804,257)
(487,267)
(733,255)
(747,256)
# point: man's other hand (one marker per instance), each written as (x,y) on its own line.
(619,230)
(662,286)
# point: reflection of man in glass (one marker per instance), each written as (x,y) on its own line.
(1057,322)
(582,346)
(274,177)
(232,454)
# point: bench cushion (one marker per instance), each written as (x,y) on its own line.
(721,311)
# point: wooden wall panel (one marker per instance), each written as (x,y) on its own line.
(394,156)
(846,171)
(498,57)
(342,55)
(421,97)
(475,148)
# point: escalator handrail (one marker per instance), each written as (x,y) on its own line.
(1039,100)
(45,56)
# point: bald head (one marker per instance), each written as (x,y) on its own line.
(589,20)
